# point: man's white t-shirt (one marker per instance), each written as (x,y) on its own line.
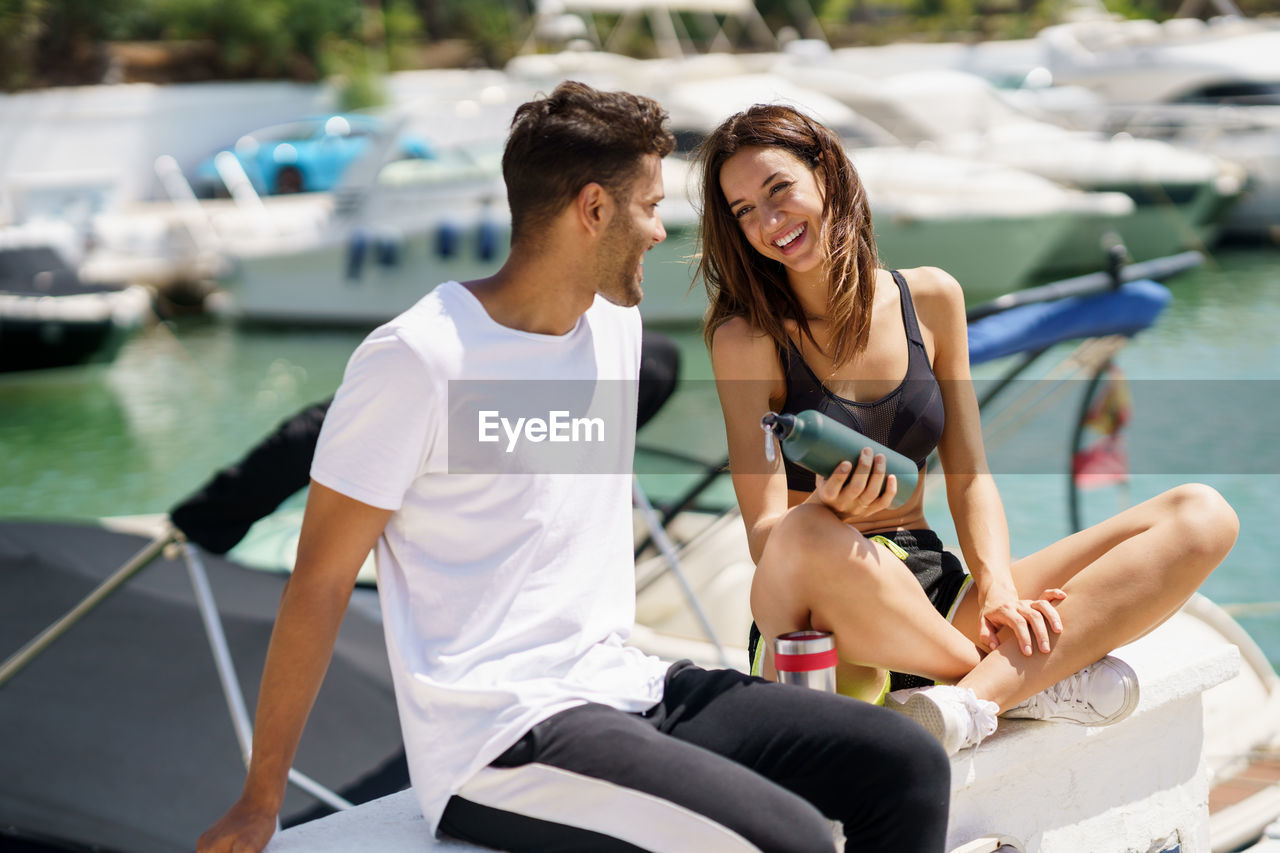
(506,596)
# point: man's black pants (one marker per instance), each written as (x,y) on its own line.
(726,762)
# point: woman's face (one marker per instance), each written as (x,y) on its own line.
(777,200)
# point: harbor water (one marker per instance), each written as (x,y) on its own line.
(187,397)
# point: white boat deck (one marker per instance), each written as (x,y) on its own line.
(1141,784)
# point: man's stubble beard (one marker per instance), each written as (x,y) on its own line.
(616,265)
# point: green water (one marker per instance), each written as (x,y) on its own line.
(186,398)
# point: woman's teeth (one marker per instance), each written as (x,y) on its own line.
(785,240)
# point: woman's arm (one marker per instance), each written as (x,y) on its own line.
(748,378)
(972,497)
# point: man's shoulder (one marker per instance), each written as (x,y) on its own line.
(433,320)
(424,336)
(442,306)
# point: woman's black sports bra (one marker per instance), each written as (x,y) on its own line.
(908,419)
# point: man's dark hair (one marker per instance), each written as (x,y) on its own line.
(577,135)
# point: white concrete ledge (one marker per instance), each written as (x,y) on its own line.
(1139,785)
(391,824)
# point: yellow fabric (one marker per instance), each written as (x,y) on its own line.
(894,548)
(879,700)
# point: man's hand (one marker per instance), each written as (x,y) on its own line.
(245,828)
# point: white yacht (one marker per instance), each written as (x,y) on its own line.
(990,225)
(390,239)
(393,235)
(1211,86)
(1179,197)
(1228,59)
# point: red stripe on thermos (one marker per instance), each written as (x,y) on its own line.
(807,662)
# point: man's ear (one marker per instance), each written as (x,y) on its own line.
(595,207)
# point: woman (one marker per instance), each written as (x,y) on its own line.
(802,317)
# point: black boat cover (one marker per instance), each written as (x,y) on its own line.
(41,271)
(118,737)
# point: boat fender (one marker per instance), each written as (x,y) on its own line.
(356,247)
(487,240)
(387,249)
(447,240)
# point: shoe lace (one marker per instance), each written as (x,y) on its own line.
(1069,691)
(980,719)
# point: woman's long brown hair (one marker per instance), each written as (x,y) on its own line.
(740,281)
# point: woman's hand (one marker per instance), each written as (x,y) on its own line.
(1001,608)
(854,492)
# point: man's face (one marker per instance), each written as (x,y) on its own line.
(635,228)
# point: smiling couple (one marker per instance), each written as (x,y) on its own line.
(528,722)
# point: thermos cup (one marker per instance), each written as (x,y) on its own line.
(807,658)
(819,443)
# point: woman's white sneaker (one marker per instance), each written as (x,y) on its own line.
(1098,695)
(954,715)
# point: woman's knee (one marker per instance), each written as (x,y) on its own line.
(812,542)
(1204,523)
(803,528)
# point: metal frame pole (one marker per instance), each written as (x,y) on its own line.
(19,659)
(213,630)
(231,683)
(668,549)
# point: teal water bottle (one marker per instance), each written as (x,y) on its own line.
(817,442)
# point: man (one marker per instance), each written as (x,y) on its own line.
(508,588)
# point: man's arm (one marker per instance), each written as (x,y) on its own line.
(337,535)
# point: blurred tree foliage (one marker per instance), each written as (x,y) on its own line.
(58,42)
(50,42)
(876,21)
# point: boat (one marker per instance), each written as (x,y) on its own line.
(396,231)
(1211,87)
(1207,724)
(391,240)
(932,204)
(991,225)
(1228,59)
(1180,198)
(49,316)
(1242,133)
(1246,135)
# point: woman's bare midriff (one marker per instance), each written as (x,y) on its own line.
(909,516)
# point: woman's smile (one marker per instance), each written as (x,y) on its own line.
(790,241)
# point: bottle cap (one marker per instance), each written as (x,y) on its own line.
(769,423)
